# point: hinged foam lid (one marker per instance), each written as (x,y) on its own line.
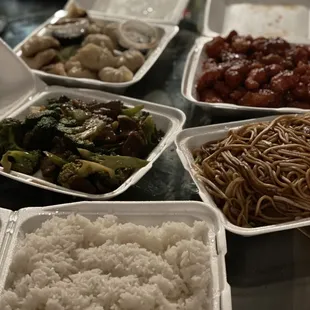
(17,82)
(157,11)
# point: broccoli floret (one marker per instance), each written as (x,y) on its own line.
(83,136)
(74,175)
(11,133)
(114,162)
(20,161)
(33,118)
(41,135)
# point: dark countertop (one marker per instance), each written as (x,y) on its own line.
(267,272)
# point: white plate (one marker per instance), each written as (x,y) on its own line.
(167,32)
(284,18)
(142,213)
(191,138)
(193,71)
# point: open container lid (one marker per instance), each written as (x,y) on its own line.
(155,11)
(272,18)
(17,82)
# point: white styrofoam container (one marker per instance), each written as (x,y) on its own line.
(167,32)
(16,104)
(284,18)
(142,213)
(191,138)
(193,71)
(4,218)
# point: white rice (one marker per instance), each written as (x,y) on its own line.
(75,264)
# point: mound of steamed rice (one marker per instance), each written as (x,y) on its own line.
(75,264)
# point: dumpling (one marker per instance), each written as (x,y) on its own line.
(58,69)
(95,28)
(41,59)
(101,40)
(113,75)
(38,44)
(111,30)
(94,57)
(78,71)
(132,59)
(71,62)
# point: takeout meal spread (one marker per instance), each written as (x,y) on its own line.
(259,173)
(91,147)
(255,72)
(76,263)
(78,47)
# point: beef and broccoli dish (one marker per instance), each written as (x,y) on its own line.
(90,147)
(256,72)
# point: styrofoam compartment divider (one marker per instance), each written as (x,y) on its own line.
(284,18)
(191,138)
(170,120)
(166,32)
(192,72)
(142,213)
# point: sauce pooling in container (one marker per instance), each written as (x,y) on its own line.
(138,35)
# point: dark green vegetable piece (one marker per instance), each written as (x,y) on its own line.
(20,161)
(73,175)
(114,162)
(33,118)
(58,161)
(41,135)
(11,132)
(132,111)
(149,129)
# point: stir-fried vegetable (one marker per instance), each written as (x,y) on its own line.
(92,147)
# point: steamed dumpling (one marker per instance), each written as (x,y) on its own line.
(78,71)
(38,44)
(111,30)
(113,75)
(57,69)
(41,59)
(132,59)
(94,57)
(95,28)
(71,62)
(101,40)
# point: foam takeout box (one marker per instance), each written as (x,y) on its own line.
(288,19)
(192,138)
(20,89)
(164,15)
(16,224)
